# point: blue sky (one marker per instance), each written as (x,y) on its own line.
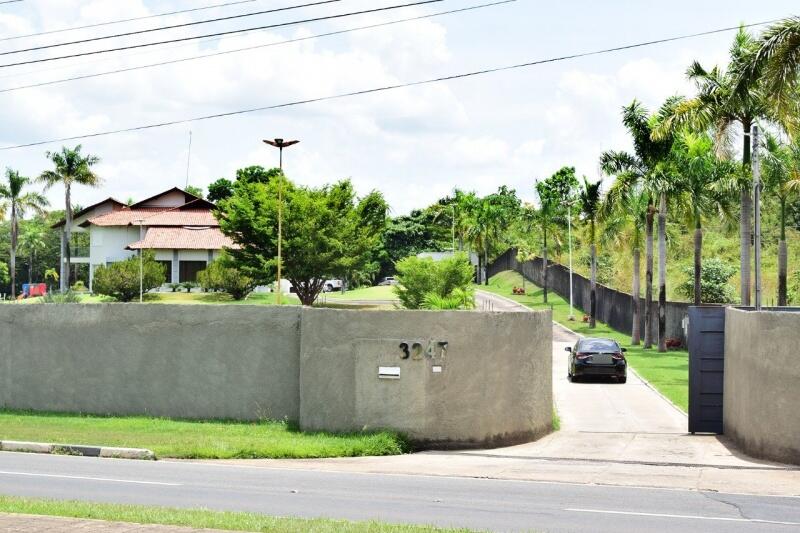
(414,144)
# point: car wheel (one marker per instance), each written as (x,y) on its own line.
(622,379)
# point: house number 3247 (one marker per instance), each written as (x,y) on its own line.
(415,351)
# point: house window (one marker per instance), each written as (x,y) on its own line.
(167,269)
(189,269)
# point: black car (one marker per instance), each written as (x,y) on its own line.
(597,357)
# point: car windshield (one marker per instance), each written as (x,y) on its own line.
(598,345)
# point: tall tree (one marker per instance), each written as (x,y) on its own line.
(15,201)
(327,231)
(590,201)
(33,241)
(697,171)
(71,168)
(781,175)
(726,98)
(641,169)
(776,63)
(625,213)
(554,194)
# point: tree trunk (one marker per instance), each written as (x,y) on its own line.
(635,302)
(782,260)
(544,266)
(30,270)
(698,247)
(648,289)
(745,221)
(662,274)
(67,237)
(12,263)
(593,292)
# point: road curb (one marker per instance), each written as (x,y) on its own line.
(75,449)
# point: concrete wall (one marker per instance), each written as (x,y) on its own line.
(762,394)
(614,308)
(229,361)
(491,386)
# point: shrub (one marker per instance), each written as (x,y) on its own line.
(121,279)
(69,297)
(222,275)
(188,285)
(79,286)
(174,286)
(435,281)
(714,286)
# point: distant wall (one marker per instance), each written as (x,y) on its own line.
(613,307)
(491,383)
(761,383)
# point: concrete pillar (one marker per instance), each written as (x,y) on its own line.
(176,267)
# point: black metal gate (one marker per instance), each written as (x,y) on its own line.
(706,368)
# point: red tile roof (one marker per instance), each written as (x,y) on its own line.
(183,239)
(156,216)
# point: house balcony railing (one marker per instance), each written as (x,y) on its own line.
(79,251)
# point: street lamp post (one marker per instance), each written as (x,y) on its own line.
(454,228)
(757,210)
(280,144)
(569,226)
(141,262)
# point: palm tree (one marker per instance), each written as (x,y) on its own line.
(590,201)
(625,213)
(698,171)
(71,168)
(640,169)
(32,241)
(776,63)
(781,174)
(17,203)
(724,99)
(544,215)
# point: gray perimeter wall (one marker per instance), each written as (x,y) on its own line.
(185,361)
(614,308)
(494,386)
(317,366)
(762,394)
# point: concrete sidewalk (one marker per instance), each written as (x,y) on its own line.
(611,434)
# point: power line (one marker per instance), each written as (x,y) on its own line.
(120,21)
(229,32)
(10,1)
(237,50)
(384,88)
(162,28)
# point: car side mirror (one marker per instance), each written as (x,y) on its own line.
(624,350)
(568,349)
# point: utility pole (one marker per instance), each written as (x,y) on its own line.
(757,223)
(569,226)
(280,144)
(454,228)
(189,158)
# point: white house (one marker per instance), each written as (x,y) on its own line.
(179,227)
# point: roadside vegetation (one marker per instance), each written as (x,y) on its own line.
(200,518)
(182,439)
(667,372)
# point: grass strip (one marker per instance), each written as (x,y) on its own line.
(196,439)
(667,372)
(199,518)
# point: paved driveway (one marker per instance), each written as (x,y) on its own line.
(611,434)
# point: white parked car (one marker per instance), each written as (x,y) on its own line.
(389,280)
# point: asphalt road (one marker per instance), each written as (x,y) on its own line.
(444,501)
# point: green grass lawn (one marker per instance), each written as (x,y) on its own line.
(195,440)
(667,372)
(184,298)
(380,292)
(199,518)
